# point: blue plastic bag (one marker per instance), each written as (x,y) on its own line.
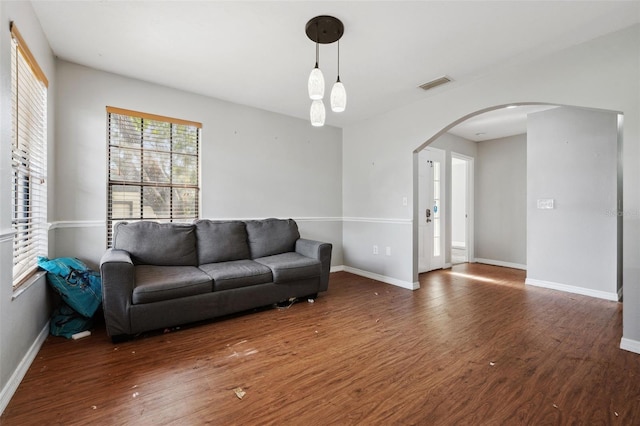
(79,287)
(61,266)
(66,322)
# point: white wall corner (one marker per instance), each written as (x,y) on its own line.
(14,381)
(630,345)
(388,280)
(573,289)
(338,268)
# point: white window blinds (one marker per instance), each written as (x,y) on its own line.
(153,168)
(28,159)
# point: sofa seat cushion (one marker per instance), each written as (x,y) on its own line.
(291,266)
(236,274)
(156,283)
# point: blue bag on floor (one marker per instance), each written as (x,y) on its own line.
(66,322)
(79,286)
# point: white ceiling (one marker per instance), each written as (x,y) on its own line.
(498,123)
(256,53)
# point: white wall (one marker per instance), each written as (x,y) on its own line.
(24,316)
(378,165)
(572,158)
(500,201)
(389,223)
(254,163)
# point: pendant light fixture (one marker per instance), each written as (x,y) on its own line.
(324,30)
(338,94)
(317,113)
(316,79)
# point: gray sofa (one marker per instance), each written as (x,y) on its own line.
(160,275)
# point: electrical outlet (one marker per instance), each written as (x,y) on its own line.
(405,201)
(375,249)
(545,203)
(388,251)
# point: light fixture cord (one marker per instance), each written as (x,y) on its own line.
(317,45)
(338,60)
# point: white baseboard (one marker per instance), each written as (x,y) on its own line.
(384,279)
(338,268)
(14,381)
(630,345)
(501,263)
(573,289)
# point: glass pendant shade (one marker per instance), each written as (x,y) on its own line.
(317,113)
(338,97)
(316,84)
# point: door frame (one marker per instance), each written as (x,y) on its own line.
(469,200)
(444,211)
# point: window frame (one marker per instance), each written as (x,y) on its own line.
(29,118)
(138,186)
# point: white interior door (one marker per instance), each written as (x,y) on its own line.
(431,171)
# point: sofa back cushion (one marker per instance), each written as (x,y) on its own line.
(221,241)
(271,236)
(161,244)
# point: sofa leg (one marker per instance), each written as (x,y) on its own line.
(313,296)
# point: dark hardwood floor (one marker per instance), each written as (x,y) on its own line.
(473,345)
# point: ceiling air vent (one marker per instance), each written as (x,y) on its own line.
(435,83)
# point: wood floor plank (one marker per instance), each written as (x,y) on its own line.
(473,345)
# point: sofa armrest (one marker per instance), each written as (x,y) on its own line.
(118,278)
(320,251)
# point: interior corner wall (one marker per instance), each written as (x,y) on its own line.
(254,163)
(378,159)
(572,157)
(23,316)
(500,201)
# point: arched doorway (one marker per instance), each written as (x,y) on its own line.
(582,156)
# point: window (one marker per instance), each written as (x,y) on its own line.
(153,168)
(28,159)
(436,209)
